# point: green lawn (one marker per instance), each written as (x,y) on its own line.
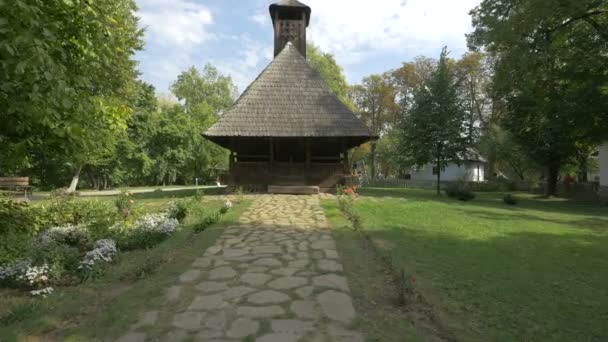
(107,306)
(537,271)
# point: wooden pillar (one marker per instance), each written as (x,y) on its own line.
(271,146)
(345,159)
(307,143)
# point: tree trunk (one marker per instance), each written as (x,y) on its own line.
(75,179)
(438,179)
(552,175)
(373,163)
(583,169)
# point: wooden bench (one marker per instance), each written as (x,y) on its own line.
(16,184)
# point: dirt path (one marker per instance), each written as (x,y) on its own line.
(274,277)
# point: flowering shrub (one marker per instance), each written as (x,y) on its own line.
(124,204)
(227,206)
(178,211)
(346,202)
(104,252)
(68,234)
(23,274)
(146,232)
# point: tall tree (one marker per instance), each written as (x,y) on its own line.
(66,67)
(205,96)
(551,59)
(375,101)
(434,131)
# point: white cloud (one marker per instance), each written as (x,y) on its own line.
(370,27)
(245,66)
(179,23)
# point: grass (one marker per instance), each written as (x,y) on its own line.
(107,306)
(492,272)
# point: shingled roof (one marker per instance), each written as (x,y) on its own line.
(288,99)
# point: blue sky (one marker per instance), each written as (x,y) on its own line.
(236,35)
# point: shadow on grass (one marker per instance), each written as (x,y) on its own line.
(179,193)
(494,200)
(519,286)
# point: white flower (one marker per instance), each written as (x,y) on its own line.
(104,251)
(228,204)
(157,223)
(60,233)
(42,292)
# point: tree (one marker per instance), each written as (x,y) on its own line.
(66,68)
(330,71)
(205,96)
(434,130)
(375,101)
(551,59)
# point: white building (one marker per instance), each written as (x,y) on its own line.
(471,169)
(604,167)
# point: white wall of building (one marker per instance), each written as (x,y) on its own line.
(468,171)
(604,164)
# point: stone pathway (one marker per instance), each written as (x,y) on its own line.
(276,277)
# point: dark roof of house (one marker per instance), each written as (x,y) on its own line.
(290,3)
(288,99)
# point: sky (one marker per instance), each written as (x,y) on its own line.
(236,36)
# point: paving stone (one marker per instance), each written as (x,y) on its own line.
(147,319)
(304,309)
(188,320)
(132,337)
(255,279)
(268,262)
(268,297)
(237,292)
(331,280)
(305,292)
(290,325)
(260,311)
(331,254)
(216,320)
(243,327)
(336,306)
(212,286)
(176,335)
(173,293)
(278,337)
(189,276)
(222,273)
(208,335)
(202,262)
(213,250)
(211,302)
(235,253)
(300,263)
(284,271)
(329,265)
(287,283)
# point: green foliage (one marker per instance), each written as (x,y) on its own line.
(97,215)
(19,217)
(66,66)
(510,199)
(208,220)
(14,246)
(460,190)
(434,130)
(124,203)
(179,210)
(550,58)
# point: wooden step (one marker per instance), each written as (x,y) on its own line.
(293,189)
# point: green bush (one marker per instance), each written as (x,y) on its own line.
(97,215)
(510,199)
(21,218)
(460,190)
(179,211)
(207,221)
(14,246)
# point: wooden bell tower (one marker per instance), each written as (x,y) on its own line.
(290,19)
